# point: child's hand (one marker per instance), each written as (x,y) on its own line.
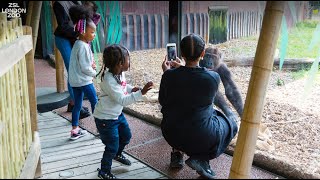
(135,89)
(147,87)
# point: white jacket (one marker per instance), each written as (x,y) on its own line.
(80,71)
(114,97)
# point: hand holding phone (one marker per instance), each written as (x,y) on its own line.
(171,51)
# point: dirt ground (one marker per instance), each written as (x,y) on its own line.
(290,113)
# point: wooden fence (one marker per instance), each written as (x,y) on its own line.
(19,141)
(151,31)
(243,24)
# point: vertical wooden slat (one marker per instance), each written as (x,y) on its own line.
(135,35)
(228,26)
(1,142)
(156,34)
(149,31)
(233,25)
(11,148)
(246,23)
(142,31)
(188,23)
(195,23)
(2,131)
(241,24)
(162,31)
(17,115)
(32,126)
(8,170)
(237,21)
(201,25)
(3,28)
(4,137)
(128,32)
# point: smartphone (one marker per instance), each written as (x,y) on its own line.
(171,51)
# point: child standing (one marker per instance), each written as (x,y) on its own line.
(82,68)
(115,94)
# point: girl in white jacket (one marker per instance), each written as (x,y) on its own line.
(115,94)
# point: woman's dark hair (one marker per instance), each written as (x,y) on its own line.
(112,56)
(92,4)
(192,46)
(78,12)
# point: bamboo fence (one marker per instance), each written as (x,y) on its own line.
(16,134)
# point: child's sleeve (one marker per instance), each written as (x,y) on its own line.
(85,62)
(129,88)
(116,93)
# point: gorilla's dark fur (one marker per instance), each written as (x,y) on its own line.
(213,60)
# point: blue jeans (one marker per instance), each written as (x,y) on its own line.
(79,92)
(64,46)
(115,135)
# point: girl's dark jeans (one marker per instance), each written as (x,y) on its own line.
(115,135)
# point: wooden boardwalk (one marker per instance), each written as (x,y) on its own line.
(62,158)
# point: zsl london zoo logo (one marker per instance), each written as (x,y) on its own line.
(13,10)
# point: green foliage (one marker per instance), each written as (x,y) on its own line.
(218,26)
(299,74)
(307,24)
(280,82)
(299,40)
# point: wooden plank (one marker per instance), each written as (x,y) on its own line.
(142,32)
(71,163)
(201,25)
(1,127)
(42,124)
(30,165)
(56,126)
(63,141)
(128,31)
(55,136)
(52,132)
(71,155)
(188,23)
(84,160)
(72,145)
(163,31)
(150,174)
(195,23)
(135,34)
(156,34)
(92,168)
(149,31)
(116,170)
(59,156)
(87,148)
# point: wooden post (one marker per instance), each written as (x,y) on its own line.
(58,60)
(32,93)
(36,11)
(29,13)
(31,83)
(260,75)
